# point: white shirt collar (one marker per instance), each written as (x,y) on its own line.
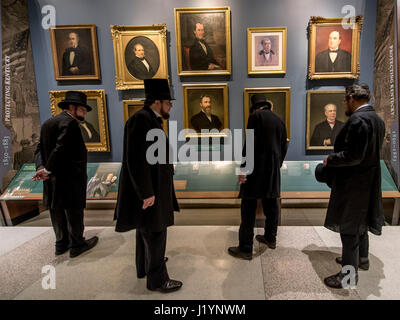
(156,113)
(363,106)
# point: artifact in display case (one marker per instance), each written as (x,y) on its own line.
(279,99)
(94,128)
(205,107)
(75,52)
(266,50)
(203,38)
(140,52)
(325,118)
(334,47)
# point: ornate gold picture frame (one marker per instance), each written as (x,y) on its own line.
(266,50)
(196,100)
(75,52)
(95,128)
(203,41)
(323,122)
(334,45)
(132,106)
(140,52)
(279,98)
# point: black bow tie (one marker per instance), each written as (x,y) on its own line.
(141,59)
(333,51)
(202,41)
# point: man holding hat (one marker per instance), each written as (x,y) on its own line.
(146,197)
(61,159)
(270,146)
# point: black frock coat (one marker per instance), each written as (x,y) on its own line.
(140,180)
(324,131)
(270,147)
(355,204)
(199,60)
(62,151)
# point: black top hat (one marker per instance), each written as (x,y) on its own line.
(258,100)
(322,174)
(157,89)
(76,98)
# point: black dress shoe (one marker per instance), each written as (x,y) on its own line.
(335,281)
(363,264)
(169,286)
(89,244)
(237,253)
(270,244)
(61,251)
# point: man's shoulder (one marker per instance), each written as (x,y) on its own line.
(344,53)
(197,115)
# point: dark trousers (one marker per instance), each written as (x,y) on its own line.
(354,247)
(68,227)
(150,253)
(248,214)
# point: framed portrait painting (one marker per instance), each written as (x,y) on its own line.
(279,99)
(75,52)
(205,108)
(334,48)
(133,106)
(325,118)
(140,52)
(203,38)
(266,50)
(94,128)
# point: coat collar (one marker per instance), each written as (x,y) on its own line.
(365,109)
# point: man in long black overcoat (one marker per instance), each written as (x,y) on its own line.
(270,147)
(355,205)
(61,160)
(146,196)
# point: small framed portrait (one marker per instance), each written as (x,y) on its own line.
(266,50)
(75,52)
(203,38)
(94,128)
(279,99)
(325,118)
(133,106)
(205,108)
(334,48)
(140,52)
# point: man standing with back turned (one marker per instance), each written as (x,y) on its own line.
(355,206)
(270,146)
(146,198)
(61,159)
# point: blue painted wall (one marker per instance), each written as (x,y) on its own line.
(294,14)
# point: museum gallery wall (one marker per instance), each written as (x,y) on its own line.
(297,32)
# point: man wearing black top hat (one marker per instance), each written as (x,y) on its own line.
(146,197)
(61,159)
(270,146)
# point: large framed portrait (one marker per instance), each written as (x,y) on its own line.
(75,52)
(203,38)
(140,52)
(266,50)
(205,107)
(132,106)
(325,118)
(334,48)
(94,128)
(279,99)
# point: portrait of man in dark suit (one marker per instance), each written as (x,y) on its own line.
(76,58)
(205,119)
(334,59)
(201,55)
(325,132)
(267,56)
(140,67)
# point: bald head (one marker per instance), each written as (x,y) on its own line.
(330,112)
(334,40)
(139,50)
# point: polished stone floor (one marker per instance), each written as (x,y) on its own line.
(197,256)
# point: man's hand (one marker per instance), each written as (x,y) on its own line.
(74,70)
(325,161)
(40,175)
(327,142)
(148,202)
(242,179)
(212,66)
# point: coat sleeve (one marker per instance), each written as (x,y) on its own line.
(356,142)
(136,147)
(284,144)
(38,157)
(251,123)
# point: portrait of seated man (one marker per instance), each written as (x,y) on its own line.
(205,119)
(76,58)
(266,56)
(325,133)
(140,67)
(333,59)
(201,56)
